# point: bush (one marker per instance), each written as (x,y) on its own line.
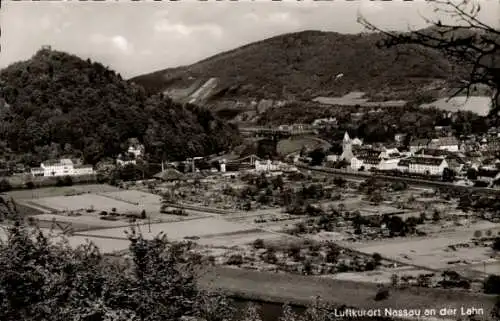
(492,284)
(258,244)
(67,181)
(496,244)
(382,294)
(235,259)
(5,186)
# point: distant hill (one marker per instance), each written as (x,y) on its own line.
(304,65)
(57,104)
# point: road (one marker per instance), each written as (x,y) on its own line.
(409,181)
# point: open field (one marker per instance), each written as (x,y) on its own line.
(489,268)
(135,197)
(86,201)
(377,276)
(430,251)
(105,245)
(292,145)
(237,239)
(295,289)
(477,104)
(61,191)
(356,98)
(82,222)
(179,230)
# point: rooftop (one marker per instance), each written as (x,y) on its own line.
(404,162)
(445,141)
(420,142)
(371,160)
(170,174)
(58,162)
(431,161)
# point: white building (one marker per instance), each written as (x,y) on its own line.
(449,143)
(324,122)
(136,150)
(399,138)
(37,171)
(366,163)
(125,162)
(62,167)
(404,165)
(357,142)
(332,158)
(427,165)
(83,170)
(269,166)
(389,152)
(418,144)
(389,164)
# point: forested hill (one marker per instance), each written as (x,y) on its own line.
(56,104)
(313,63)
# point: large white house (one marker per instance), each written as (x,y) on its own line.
(365,162)
(61,167)
(448,143)
(269,166)
(427,165)
(387,164)
(137,150)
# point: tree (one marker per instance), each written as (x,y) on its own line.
(339,181)
(492,284)
(5,185)
(258,244)
(448,175)
(396,226)
(436,217)
(287,314)
(214,307)
(472,173)
(30,185)
(467,41)
(382,294)
(478,234)
(251,313)
(67,181)
(377,258)
(496,244)
(317,157)
(495,312)
(394,280)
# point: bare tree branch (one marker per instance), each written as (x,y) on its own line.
(465,41)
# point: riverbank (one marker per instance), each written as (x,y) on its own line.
(302,291)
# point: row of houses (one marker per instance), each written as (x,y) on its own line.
(431,157)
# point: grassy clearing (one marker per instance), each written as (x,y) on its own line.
(61,191)
(301,290)
(179,230)
(292,145)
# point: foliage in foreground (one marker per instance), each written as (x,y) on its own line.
(43,278)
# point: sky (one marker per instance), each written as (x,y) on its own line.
(134,38)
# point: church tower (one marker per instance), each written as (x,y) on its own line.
(346,148)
